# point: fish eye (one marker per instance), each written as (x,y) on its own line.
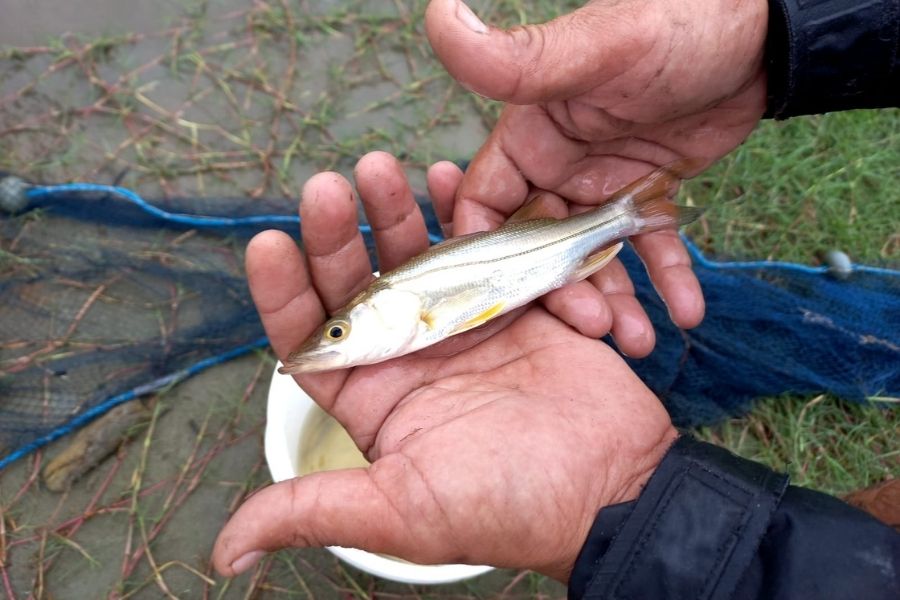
(337,330)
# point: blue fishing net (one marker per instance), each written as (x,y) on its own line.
(772,328)
(106,296)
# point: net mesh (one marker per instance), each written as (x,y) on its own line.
(773,328)
(107,296)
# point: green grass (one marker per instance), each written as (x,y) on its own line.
(793,191)
(821,442)
(798,188)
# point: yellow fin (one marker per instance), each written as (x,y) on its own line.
(428,319)
(595,262)
(480,319)
(443,312)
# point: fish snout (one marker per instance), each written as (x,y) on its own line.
(311,361)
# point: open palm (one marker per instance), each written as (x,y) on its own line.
(497,447)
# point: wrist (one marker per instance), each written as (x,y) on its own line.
(639,472)
(701,497)
(623,484)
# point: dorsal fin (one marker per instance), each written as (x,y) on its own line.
(531,210)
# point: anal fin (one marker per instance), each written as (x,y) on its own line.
(595,262)
(480,319)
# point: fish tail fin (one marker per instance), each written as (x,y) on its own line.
(659,213)
(649,197)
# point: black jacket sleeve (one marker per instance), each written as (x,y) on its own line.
(711,525)
(829,55)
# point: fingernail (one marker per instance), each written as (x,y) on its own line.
(465,14)
(247,561)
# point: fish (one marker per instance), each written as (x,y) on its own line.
(464,282)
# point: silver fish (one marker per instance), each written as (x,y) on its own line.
(464,282)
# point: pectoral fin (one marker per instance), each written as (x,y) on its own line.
(595,262)
(430,319)
(480,319)
(446,311)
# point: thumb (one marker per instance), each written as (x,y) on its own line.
(533,63)
(335,508)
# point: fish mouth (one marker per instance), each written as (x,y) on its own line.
(311,362)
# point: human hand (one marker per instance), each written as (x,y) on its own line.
(497,446)
(598,98)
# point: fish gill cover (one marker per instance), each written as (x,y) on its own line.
(106,296)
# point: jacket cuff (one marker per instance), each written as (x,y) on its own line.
(726,502)
(830,55)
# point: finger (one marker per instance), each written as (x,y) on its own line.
(631,328)
(288,305)
(669,266)
(593,180)
(391,209)
(492,189)
(587,173)
(281,289)
(534,63)
(525,148)
(528,143)
(355,508)
(324,509)
(335,250)
(541,204)
(443,179)
(532,142)
(582,306)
